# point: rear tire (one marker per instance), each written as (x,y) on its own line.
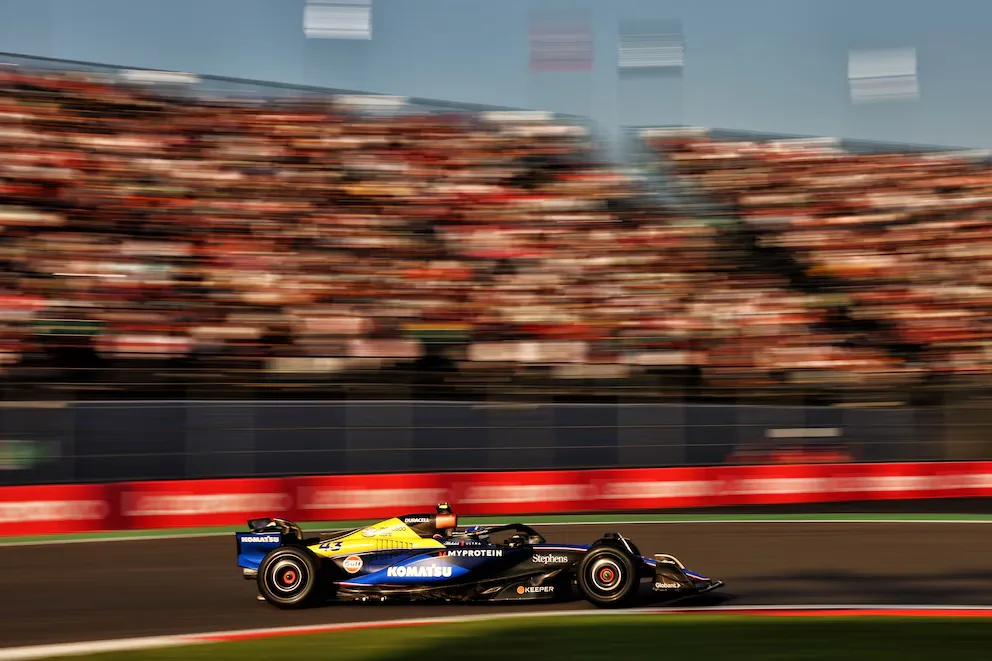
(607,577)
(287,577)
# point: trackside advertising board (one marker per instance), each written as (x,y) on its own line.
(46,510)
(230,502)
(187,504)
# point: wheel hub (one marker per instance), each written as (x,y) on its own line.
(287,576)
(606,575)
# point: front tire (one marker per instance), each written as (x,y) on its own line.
(607,577)
(287,577)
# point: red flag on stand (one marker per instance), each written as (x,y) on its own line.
(561,46)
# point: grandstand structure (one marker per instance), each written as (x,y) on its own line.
(179,236)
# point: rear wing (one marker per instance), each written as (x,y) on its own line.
(252,547)
(275,525)
(265,534)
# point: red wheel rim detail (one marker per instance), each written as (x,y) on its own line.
(606,575)
(289,577)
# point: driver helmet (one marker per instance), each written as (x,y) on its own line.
(480,533)
(518,539)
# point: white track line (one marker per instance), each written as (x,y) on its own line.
(126,538)
(35,652)
(95,647)
(547,524)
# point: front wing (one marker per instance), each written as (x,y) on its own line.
(672,579)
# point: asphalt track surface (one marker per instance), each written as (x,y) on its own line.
(79,592)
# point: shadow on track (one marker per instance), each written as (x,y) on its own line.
(972,588)
(646,598)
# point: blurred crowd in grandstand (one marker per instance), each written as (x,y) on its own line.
(155,229)
(899,242)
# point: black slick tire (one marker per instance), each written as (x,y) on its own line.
(607,577)
(287,577)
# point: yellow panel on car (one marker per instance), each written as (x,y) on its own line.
(388,535)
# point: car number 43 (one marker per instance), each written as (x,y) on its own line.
(330,546)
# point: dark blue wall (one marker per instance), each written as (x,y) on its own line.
(99,442)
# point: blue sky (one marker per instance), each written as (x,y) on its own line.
(769,65)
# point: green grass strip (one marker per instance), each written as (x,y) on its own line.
(605,519)
(621,638)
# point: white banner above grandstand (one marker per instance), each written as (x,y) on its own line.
(651,44)
(371,101)
(546,130)
(963,154)
(518,116)
(662,131)
(888,74)
(157,77)
(803,144)
(338,19)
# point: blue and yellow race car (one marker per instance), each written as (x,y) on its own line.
(425,557)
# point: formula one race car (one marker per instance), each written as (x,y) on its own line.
(424,557)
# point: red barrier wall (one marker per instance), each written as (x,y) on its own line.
(57,509)
(186,504)
(230,502)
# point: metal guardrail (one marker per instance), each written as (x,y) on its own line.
(220,379)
